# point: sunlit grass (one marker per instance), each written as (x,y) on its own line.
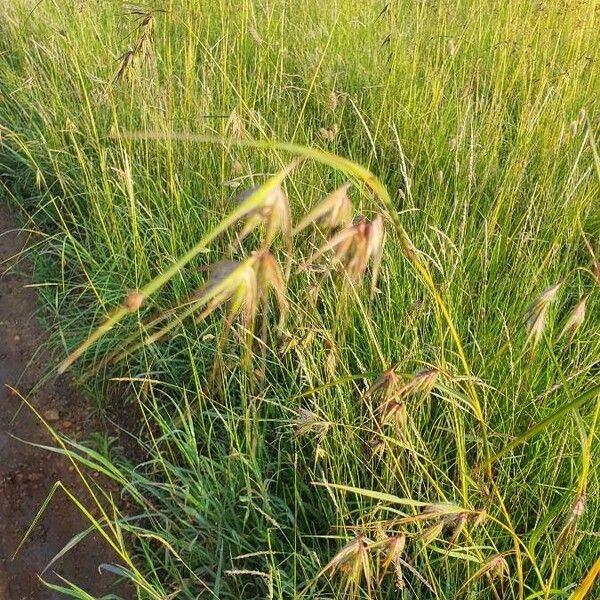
(341,260)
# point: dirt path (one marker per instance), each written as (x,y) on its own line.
(27,473)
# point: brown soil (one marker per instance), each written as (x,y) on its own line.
(27,473)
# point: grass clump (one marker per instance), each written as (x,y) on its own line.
(343,385)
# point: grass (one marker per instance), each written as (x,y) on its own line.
(403,406)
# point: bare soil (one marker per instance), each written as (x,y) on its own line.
(27,473)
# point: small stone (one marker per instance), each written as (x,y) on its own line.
(17,338)
(51,415)
(66,424)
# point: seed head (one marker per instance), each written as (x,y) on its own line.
(330,134)
(133,301)
(385,386)
(570,526)
(235,125)
(355,246)
(538,312)
(575,320)
(273,213)
(432,533)
(309,422)
(332,101)
(354,564)
(393,550)
(394,412)
(333,212)
(254,35)
(422,383)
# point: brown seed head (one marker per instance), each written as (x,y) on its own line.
(133,301)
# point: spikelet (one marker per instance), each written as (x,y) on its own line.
(385,386)
(389,390)
(273,213)
(270,278)
(393,549)
(332,101)
(308,422)
(235,126)
(495,567)
(333,212)
(538,312)
(353,562)
(570,527)
(421,384)
(329,134)
(355,246)
(254,35)
(574,321)
(432,533)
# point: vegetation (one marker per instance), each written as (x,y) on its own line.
(341,260)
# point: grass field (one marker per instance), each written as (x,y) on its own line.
(351,414)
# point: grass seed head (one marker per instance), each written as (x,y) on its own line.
(393,550)
(333,212)
(538,312)
(570,527)
(394,412)
(308,422)
(133,301)
(458,524)
(385,386)
(355,246)
(273,213)
(353,562)
(329,134)
(232,281)
(270,277)
(432,533)
(235,126)
(125,61)
(498,567)
(421,384)
(575,320)
(254,35)
(332,101)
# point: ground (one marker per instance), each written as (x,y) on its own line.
(28,473)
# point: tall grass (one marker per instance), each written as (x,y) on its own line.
(356,413)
